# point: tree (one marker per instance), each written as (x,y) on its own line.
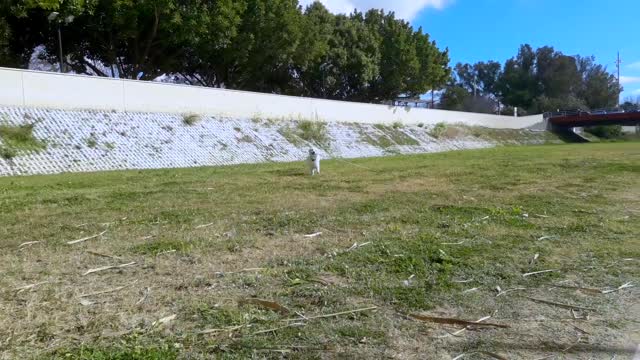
(518,84)
(410,64)
(599,88)
(547,80)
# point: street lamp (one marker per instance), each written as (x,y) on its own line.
(54,16)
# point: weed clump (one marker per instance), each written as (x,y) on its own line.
(306,131)
(191,119)
(438,130)
(18,138)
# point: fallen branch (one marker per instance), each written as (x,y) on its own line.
(357,246)
(103,268)
(539,272)
(458,243)
(85,239)
(488,353)
(164,320)
(28,243)
(566,306)
(107,291)
(313,235)
(333,315)
(204,225)
(452,321)
(228,328)
(264,304)
(500,293)
(470,290)
(456,333)
(579,288)
(29,287)
(625,286)
(547,237)
(102,255)
(462,281)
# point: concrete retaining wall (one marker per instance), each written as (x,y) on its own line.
(74,92)
(97,140)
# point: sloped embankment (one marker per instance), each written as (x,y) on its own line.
(78,141)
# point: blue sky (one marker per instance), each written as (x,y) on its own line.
(480,30)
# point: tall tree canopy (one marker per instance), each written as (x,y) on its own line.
(260,45)
(534,81)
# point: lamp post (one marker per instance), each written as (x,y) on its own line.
(54,16)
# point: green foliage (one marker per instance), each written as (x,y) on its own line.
(306,131)
(130,349)
(271,46)
(190,119)
(17,139)
(438,130)
(605,131)
(535,81)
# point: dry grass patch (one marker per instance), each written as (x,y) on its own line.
(430,234)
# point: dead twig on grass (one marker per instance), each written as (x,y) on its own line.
(204,225)
(566,306)
(103,255)
(504,292)
(458,243)
(539,272)
(621,287)
(164,320)
(333,314)
(26,244)
(458,332)
(29,287)
(453,321)
(313,235)
(103,268)
(72,242)
(108,291)
(357,246)
(488,353)
(228,328)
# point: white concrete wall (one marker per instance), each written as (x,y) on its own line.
(72,92)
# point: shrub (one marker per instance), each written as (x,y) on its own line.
(18,138)
(438,130)
(190,119)
(605,131)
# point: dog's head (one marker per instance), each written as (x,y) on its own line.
(312,152)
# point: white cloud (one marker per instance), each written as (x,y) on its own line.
(405,9)
(629,79)
(635,65)
(636,92)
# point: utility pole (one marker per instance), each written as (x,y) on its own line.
(60,48)
(618,62)
(54,16)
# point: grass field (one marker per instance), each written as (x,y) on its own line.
(217,264)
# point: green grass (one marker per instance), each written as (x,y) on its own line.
(18,139)
(191,119)
(421,224)
(306,131)
(391,136)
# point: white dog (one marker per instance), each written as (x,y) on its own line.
(313,161)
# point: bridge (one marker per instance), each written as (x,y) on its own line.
(572,119)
